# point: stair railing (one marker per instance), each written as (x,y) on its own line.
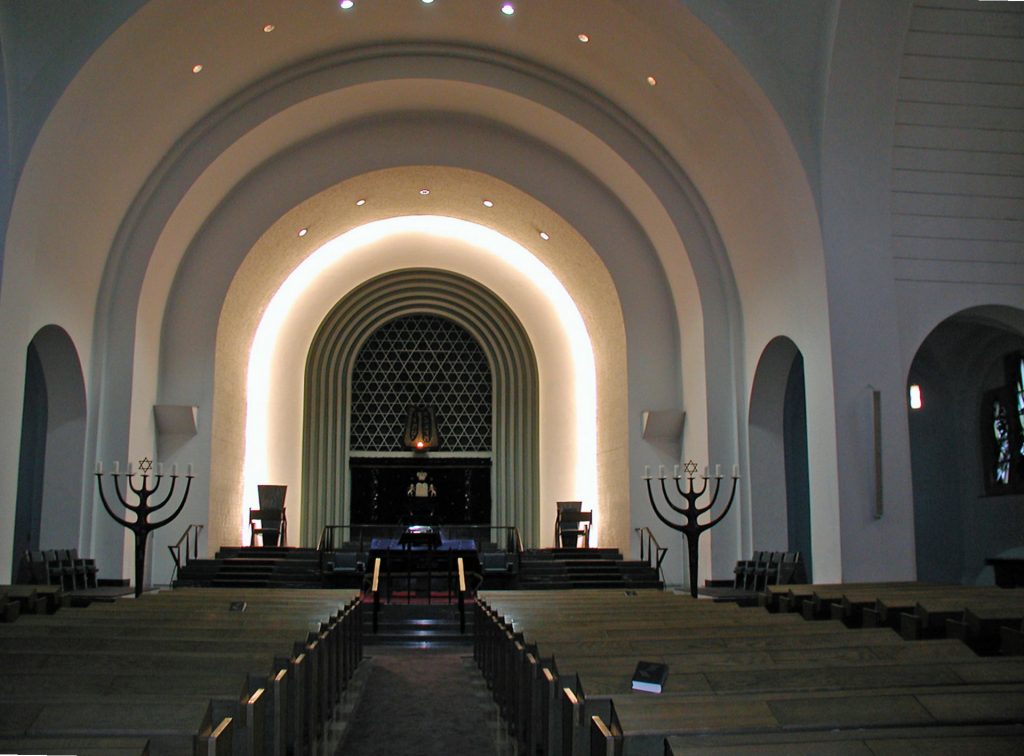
(515,544)
(375,589)
(462,597)
(651,551)
(190,541)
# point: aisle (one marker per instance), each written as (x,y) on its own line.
(422,702)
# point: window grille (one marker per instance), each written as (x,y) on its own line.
(421,360)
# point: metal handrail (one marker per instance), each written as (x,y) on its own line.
(653,551)
(191,548)
(332,536)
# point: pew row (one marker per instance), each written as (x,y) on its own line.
(560,667)
(260,681)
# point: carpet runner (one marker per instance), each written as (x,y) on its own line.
(424,702)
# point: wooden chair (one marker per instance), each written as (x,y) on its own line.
(58,572)
(571,523)
(768,570)
(273,522)
(83,568)
(756,563)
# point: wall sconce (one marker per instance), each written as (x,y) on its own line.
(420,430)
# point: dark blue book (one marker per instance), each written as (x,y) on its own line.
(649,676)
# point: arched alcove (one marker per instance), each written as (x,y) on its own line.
(326,452)
(50,474)
(781,507)
(958,520)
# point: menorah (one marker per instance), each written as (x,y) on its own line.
(691,529)
(142,527)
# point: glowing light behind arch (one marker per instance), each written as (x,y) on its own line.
(483,239)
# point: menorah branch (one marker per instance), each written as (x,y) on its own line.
(691,529)
(141,527)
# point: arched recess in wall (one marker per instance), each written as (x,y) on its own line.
(779,474)
(50,472)
(959,519)
(332,354)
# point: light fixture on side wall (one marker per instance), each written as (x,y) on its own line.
(916,397)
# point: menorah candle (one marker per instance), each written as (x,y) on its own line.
(705,472)
(174,470)
(117,467)
(99,467)
(675,472)
(131,469)
(735,471)
(160,468)
(647,472)
(718,471)
(661,472)
(189,473)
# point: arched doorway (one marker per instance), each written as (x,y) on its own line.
(328,451)
(960,516)
(779,476)
(49,498)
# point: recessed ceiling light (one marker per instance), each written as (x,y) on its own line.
(197,68)
(544,235)
(508,9)
(424,192)
(427,2)
(346,4)
(360,202)
(583,38)
(651,80)
(269,28)
(303,232)
(488,203)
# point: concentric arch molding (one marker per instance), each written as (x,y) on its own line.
(515,478)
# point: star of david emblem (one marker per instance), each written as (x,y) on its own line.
(145,465)
(690,468)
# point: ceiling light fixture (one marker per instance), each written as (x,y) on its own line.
(427,2)
(424,192)
(267,28)
(303,232)
(346,4)
(544,235)
(651,80)
(584,38)
(508,9)
(360,202)
(197,68)
(488,203)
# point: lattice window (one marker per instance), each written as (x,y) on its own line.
(421,359)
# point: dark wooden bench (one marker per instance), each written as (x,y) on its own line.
(992,740)
(274,674)
(555,662)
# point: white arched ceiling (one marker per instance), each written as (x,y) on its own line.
(258,95)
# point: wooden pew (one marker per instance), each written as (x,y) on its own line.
(150,619)
(991,740)
(931,610)
(81,746)
(639,725)
(185,727)
(946,668)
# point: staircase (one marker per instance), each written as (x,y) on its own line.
(584,568)
(417,625)
(241,567)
